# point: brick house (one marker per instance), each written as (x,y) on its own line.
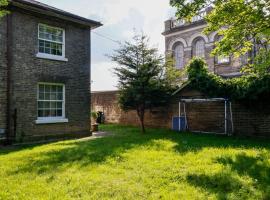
(183,41)
(44,72)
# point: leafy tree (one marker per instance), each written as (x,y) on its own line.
(145,81)
(3,4)
(246,23)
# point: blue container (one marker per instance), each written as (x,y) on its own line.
(179,121)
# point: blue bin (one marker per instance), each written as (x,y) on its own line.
(175,124)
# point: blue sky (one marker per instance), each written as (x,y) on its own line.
(120,18)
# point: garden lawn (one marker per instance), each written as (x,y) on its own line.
(129,165)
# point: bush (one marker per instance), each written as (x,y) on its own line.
(94,115)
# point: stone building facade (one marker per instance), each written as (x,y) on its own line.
(44,72)
(185,40)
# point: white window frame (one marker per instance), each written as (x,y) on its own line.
(50,56)
(51,120)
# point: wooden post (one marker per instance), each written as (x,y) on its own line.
(179,116)
(231,117)
(226,131)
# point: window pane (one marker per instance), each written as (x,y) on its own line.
(50,33)
(47,96)
(47,88)
(41,92)
(50,48)
(179,56)
(46,113)
(59,88)
(41,43)
(41,113)
(59,105)
(59,96)
(48,103)
(41,105)
(59,113)
(53,113)
(53,105)
(53,96)
(50,40)
(47,44)
(59,52)
(41,46)
(41,28)
(223,59)
(54,88)
(199,48)
(41,96)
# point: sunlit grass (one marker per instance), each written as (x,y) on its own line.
(128,165)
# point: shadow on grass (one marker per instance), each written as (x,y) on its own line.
(221,184)
(84,153)
(226,183)
(257,167)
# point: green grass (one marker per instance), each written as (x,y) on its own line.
(158,165)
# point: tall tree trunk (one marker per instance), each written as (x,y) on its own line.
(140,113)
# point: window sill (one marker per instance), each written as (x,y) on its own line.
(223,63)
(51,121)
(51,57)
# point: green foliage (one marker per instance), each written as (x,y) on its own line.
(3,5)
(243,23)
(175,77)
(160,165)
(245,88)
(262,62)
(94,115)
(145,81)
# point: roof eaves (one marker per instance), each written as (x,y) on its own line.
(52,11)
(184,85)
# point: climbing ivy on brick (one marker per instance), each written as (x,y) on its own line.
(247,88)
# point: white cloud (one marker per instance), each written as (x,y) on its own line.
(119,17)
(103,77)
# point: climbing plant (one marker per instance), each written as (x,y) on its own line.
(3,4)
(247,88)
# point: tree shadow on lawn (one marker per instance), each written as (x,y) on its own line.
(194,142)
(220,184)
(257,167)
(225,183)
(84,153)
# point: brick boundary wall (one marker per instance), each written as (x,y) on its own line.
(204,117)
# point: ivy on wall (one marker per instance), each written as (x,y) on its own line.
(247,88)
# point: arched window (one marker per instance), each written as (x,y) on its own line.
(178,55)
(199,48)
